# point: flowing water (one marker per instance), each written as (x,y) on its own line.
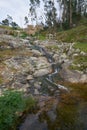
(61,108)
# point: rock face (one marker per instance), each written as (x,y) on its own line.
(67,53)
(72,76)
(41,72)
(32,122)
(22,63)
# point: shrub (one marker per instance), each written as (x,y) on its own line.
(23,35)
(11,102)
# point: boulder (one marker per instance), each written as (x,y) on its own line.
(41,72)
(29,77)
(36,53)
(36,92)
(72,76)
(83,78)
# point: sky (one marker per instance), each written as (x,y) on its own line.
(18,9)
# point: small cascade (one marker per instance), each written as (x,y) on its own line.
(56,67)
(47,102)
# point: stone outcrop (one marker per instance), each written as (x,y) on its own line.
(23,65)
(72,76)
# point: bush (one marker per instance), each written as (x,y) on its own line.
(10,104)
(23,35)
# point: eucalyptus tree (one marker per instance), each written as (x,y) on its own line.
(5,22)
(50,13)
(71,10)
(26,20)
(33,5)
(82,7)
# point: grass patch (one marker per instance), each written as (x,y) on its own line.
(6,27)
(1,79)
(12,104)
(23,34)
(42,37)
(8,53)
(78,34)
(79,63)
(52,47)
(80,59)
(81,46)
(71,106)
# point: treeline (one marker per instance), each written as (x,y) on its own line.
(8,21)
(52,13)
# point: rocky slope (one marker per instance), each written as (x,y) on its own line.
(23,65)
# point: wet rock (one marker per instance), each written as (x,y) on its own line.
(29,77)
(77,50)
(72,76)
(52,115)
(83,78)
(35,61)
(36,92)
(26,41)
(37,85)
(61,87)
(56,57)
(83,53)
(41,72)
(32,123)
(41,63)
(74,55)
(36,53)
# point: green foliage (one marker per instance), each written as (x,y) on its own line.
(52,47)
(23,35)
(14,25)
(81,46)
(5,22)
(78,34)
(42,37)
(5,27)
(1,79)
(67,117)
(12,104)
(80,59)
(29,103)
(80,63)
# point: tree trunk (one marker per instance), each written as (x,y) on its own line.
(70,13)
(64,11)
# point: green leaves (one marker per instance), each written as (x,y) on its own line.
(10,103)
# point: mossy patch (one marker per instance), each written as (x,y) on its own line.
(41,37)
(70,107)
(78,90)
(80,63)
(1,79)
(8,53)
(81,46)
(78,34)
(52,47)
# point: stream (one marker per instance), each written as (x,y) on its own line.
(59,108)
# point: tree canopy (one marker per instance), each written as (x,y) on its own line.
(70,11)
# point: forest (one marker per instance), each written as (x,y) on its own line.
(63,13)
